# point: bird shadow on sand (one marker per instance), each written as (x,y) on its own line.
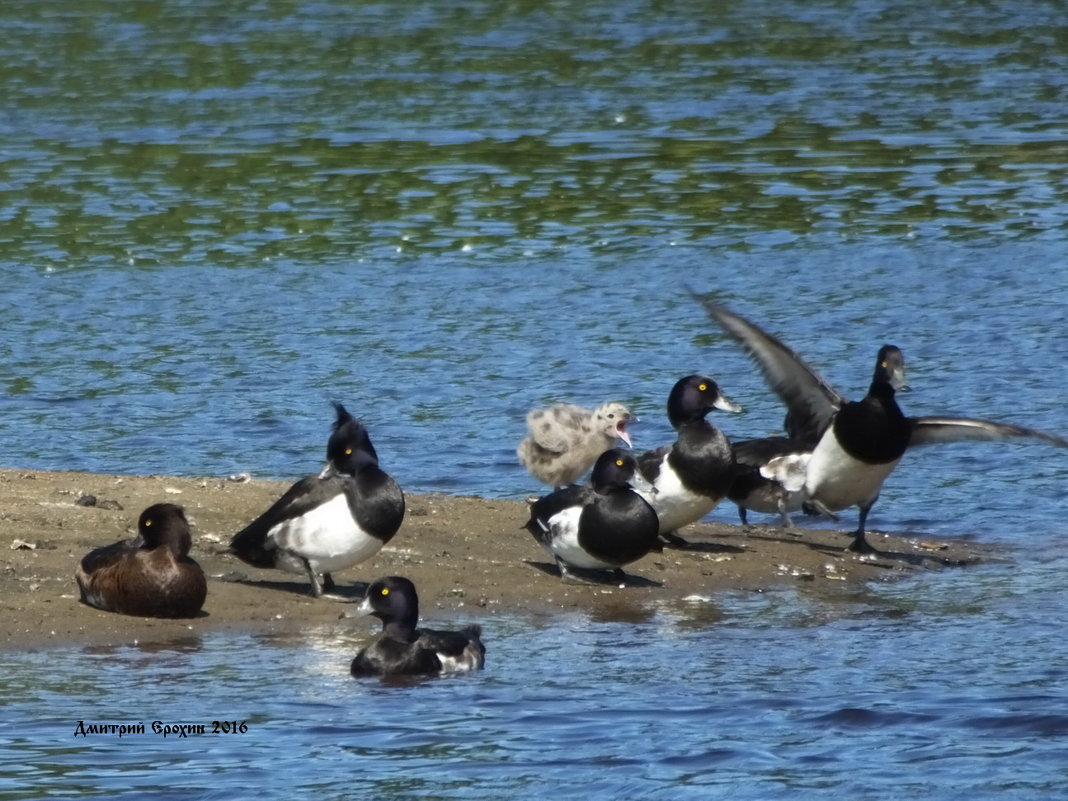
(349,592)
(701,547)
(600,577)
(886,559)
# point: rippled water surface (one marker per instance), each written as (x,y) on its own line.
(216,218)
(883,695)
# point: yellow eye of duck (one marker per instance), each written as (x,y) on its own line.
(702,387)
(883,364)
(619,462)
(348,451)
(385,590)
(148,522)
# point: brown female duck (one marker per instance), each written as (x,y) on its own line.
(150,575)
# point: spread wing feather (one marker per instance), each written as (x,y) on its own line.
(811,402)
(930,430)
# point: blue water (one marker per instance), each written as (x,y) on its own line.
(212,223)
(237,382)
(781,696)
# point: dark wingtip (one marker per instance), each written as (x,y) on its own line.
(704,298)
(700,297)
(248,546)
(693,292)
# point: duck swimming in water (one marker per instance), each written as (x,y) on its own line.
(565,440)
(404,650)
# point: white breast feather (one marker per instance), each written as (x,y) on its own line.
(675,505)
(327,536)
(838,481)
(563,535)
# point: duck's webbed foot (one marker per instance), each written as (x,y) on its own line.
(673,540)
(327,584)
(861,545)
(568,574)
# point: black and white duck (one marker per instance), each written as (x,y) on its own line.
(402,649)
(694,473)
(603,525)
(854,445)
(331,521)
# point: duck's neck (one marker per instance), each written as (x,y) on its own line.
(678,420)
(401,630)
(694,429)
(884,393)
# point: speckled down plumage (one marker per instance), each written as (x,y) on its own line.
(565,440)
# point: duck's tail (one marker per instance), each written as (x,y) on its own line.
(250,545)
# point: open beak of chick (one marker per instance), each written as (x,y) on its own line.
(621,429)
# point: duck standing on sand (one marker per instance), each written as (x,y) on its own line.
(565,440)
(600,526)
(404,650)
(332,521)
(769,476)
(854,445)
(149,576)
(694,473)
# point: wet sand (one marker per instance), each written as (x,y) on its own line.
(469,558)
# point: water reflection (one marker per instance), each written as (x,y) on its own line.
(288,140)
